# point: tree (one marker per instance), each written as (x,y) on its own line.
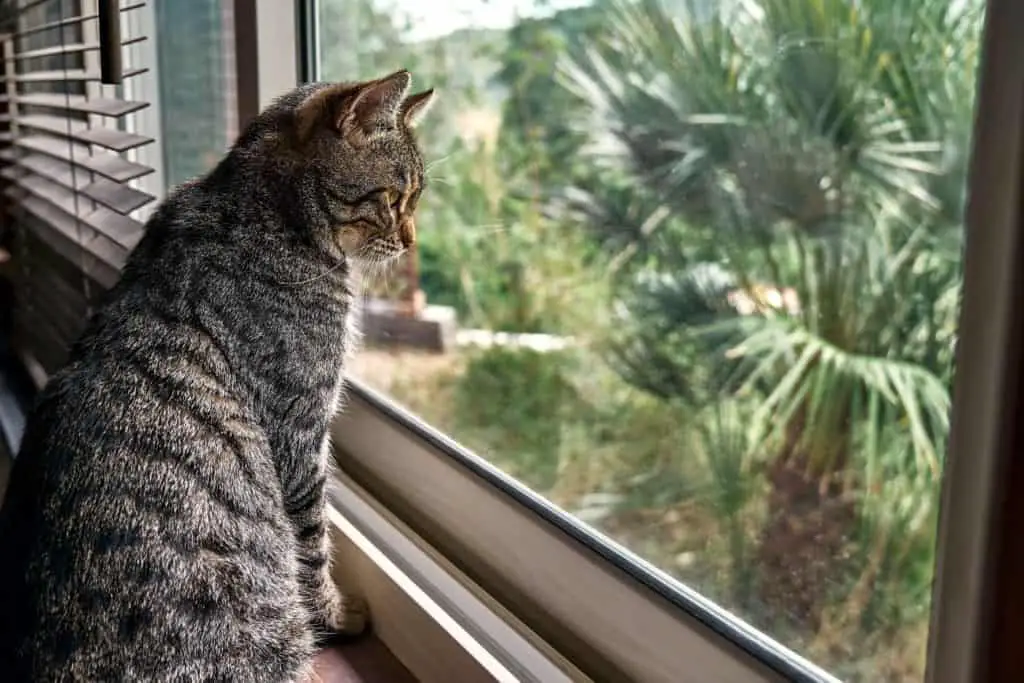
(537,113)
(795,172)
(361,39)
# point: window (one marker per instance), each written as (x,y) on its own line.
(191,85)
(196,74)
(81,194)
(65,182)
(620,274)
(705,263)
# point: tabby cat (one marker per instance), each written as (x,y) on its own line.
(165,516)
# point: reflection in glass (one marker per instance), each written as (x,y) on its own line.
(725,240)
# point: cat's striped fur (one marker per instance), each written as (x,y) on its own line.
(165,515)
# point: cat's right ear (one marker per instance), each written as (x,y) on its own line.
(415,106)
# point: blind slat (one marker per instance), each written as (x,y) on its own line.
(107,165)
(115,196)
(64,180)
(70,75)
(69,21)
(113,227)
(66,49)
(100,262)
(102,106)
(108,138)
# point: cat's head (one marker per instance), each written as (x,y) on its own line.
(362,162)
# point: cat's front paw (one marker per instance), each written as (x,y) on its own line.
(340,614)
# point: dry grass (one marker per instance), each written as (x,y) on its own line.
(418,380)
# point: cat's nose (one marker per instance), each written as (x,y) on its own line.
(407,232)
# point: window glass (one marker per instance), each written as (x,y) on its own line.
(196,84)
(691,270)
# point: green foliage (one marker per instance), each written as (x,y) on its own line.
(537,113)
(374,28)
(822,144)
(493,254)
(748,217)
(813,151)
(517,400)
(725,452)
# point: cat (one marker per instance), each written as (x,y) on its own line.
(165,514)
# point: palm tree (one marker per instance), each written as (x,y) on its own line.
(796,168)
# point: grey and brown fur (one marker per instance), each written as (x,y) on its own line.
(165,516)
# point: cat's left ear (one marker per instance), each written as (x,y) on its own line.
(415,106)
(354,110)
(322,109)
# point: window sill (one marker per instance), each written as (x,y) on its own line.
(435,621)
(607,611)
(365,661)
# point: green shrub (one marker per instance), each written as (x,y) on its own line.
(514,402)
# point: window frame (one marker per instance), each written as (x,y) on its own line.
(669,634)
(977,616)
(432,618)
(411,504)
(423,476)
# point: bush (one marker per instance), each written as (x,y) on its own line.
(515,401)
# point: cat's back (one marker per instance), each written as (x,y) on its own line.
(142,530)
(140,534)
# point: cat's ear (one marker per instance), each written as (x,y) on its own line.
(322,109)
(374,104)
(415,106)
(354,110)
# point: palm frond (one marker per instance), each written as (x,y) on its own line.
(829,384)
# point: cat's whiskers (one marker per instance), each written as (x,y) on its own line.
(489,228)
(443,181)
(436,162)
(375,264)
(322,275)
